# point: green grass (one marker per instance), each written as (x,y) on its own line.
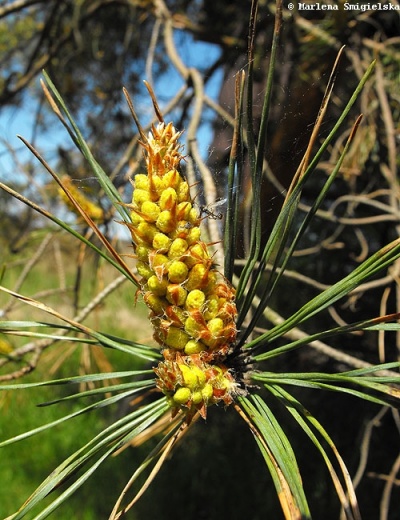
(25,464)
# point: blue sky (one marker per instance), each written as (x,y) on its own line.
(20,120)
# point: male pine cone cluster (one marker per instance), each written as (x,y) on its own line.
(192,306)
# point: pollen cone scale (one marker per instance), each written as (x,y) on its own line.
(192,306)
